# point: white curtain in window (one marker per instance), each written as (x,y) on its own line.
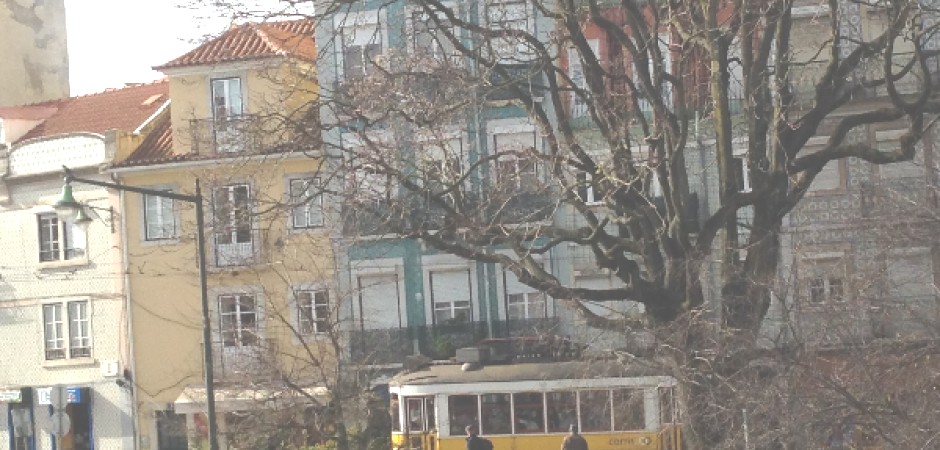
(451,295)
(379,305)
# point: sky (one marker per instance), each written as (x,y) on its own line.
(114,42)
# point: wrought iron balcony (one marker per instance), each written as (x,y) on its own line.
(226,136)
(392,346)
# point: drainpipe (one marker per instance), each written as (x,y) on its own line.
(125,266)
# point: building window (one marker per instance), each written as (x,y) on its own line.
(159,218)
(74,315)
(824,280)
(666,94)
(517,167)
(226,98)
(58,240)
(361,42)
(306,203)
(233,225)
(530,305)
(451,297)
(579,107)
(742,177)
(370,183)
(512,15)
(313,311)
(239,324)
(428,40)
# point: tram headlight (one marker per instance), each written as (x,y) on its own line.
(645,440)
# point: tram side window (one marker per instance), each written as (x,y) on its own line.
(496,414)
(595,410)
(463,412)
(530,412)
(629,414)
(562,411)
(393,412)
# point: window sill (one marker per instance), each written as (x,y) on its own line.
(68,263)
(70,362)
(302,230)
(158,242)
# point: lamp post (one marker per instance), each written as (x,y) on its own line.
(68,207)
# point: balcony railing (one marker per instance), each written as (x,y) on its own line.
(231,249)
(226,136)
(392,346)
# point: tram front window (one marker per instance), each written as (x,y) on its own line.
(463,412)
(595,410)
(415,410)
(530,412)
(393,411)
(562,411)
(496,414)
(629,414)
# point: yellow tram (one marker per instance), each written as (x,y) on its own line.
(530,406)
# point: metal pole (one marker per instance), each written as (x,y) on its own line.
(206,324)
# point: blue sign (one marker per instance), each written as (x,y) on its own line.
(73,395)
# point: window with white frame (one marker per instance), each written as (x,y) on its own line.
(742,176)
(306,203)
(450,296)
(372,183)
(233,214)
(72,317)
(313,310)
(735,75)
(578,79)
(517,163)
(588,189)
(226,98)
(529,305)
(59,240)
(159,218)
(442,161)
(238,320)
(360,40)
(509,15)
(663,42)
(824,279)
(523,301)
(429,39)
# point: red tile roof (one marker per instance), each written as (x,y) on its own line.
(253,41)
(123,109)
(156,148)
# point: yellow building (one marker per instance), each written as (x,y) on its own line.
(236,102)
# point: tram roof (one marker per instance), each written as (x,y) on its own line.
(569,370)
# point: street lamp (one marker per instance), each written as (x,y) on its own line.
(67,208)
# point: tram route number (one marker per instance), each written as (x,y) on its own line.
(629,441)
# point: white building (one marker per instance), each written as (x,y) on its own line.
(63,312)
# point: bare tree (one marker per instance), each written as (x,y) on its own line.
(649,119)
